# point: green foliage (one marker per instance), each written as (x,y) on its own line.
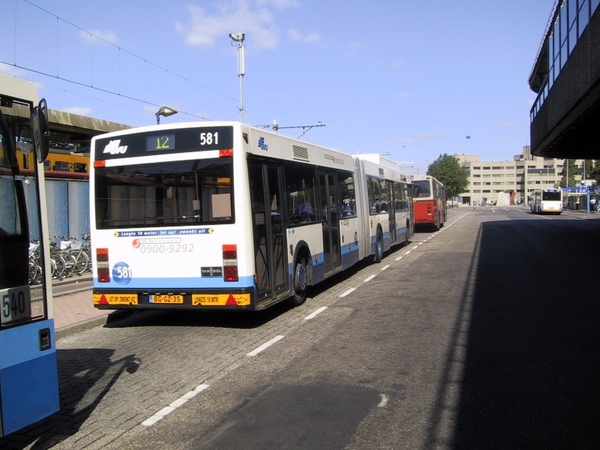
(569,167)
(595,172)
(451,174)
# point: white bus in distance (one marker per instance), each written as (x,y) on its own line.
(547,201)
(225,215)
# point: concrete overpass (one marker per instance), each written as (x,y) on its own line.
(565,119)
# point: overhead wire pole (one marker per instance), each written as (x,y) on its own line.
(239,38)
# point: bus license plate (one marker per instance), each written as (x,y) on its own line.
(167,299)
(16,304)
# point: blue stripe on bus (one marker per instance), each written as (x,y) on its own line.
(177,283)
(29,391)
(29,376)
(24,343)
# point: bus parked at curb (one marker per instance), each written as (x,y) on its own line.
(429,201)
(225,215)
(546,201)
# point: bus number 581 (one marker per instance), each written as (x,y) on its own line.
(209,138)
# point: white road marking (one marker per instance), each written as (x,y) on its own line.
(265,346)
(348,292)
(316,313)
(173,406)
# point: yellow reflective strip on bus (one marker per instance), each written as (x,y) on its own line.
(220,299)
(115,299)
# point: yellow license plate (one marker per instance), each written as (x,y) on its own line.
(167,299)
(220,299)
(115,299)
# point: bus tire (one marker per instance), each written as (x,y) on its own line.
(378,248)
(300,281)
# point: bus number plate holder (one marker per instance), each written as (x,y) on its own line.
(167,299)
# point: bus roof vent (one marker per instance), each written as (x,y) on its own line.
(300,152)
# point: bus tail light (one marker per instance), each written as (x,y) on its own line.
(230,263)
(102,265)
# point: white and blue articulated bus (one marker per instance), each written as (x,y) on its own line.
(229,216)
(28,363)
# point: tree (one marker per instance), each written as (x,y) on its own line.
(595,173)
(569,167)
(451,174)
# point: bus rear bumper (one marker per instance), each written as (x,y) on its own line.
(123,299)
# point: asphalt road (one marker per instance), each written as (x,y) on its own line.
(484,335)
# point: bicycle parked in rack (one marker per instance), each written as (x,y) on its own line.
(68,257)
(76,249)
(35,269)
(63,246)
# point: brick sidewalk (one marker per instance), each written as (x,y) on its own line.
(75,312)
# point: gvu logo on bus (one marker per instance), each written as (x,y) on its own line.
(115,147)
(262,145)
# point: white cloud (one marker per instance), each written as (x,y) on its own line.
(403,95)
(12,71)
(310,38)
(503,123)
(77,110)
(258,23)
(279,4)
(97,36)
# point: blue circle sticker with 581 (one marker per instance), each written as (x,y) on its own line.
(121,273)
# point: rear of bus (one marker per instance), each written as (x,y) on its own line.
(551,201)
(428,206)
(165,218)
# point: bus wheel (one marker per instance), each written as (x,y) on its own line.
(378,248)
(300,281)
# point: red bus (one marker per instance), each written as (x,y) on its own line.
(429,201)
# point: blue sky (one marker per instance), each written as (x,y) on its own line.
(407,78)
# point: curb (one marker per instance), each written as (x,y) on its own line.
(86,325)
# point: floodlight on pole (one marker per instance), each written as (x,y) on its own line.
(164,111)
(239,38)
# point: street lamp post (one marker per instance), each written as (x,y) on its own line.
(239,38)
(164,111)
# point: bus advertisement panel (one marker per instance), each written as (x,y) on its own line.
(220,214)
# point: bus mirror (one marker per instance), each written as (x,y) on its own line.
(41,132)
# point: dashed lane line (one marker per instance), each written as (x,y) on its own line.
(174,405)
(191,394)
(265,346)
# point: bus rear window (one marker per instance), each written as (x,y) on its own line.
(421,188)
(164,194)
(551,195)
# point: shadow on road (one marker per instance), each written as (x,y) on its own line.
(85,378)
(526,347)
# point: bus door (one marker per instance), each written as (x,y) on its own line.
(391,206)
(330,201)
(269,222)
(28,362)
